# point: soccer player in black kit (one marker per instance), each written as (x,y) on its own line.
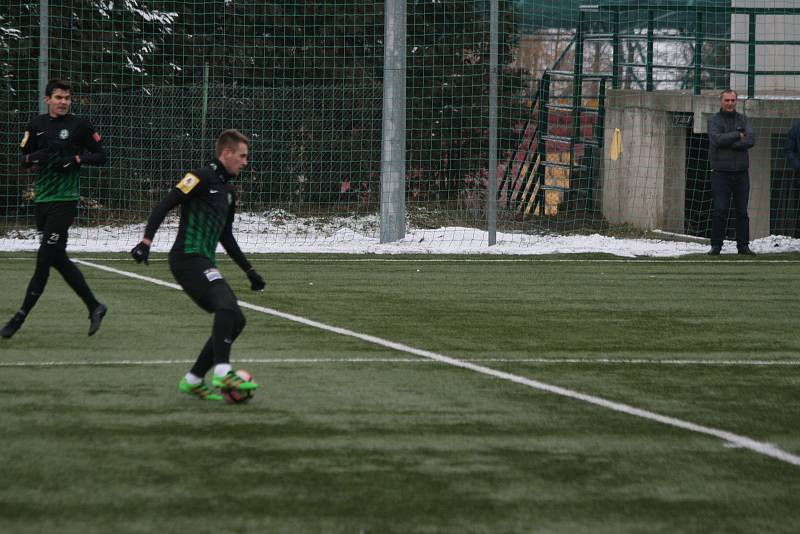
(58,143)
(207,203)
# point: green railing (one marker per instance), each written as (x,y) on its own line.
(603,22)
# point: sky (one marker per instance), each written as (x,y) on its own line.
(283,233)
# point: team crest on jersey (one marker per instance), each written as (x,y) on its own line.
(188,183)
(63,134)
(25,139)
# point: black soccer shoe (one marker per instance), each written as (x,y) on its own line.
(715,251)
(747,251)
(96,317)
(13,324)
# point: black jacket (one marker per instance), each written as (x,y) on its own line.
(726,150)
(793,146)
(208,204)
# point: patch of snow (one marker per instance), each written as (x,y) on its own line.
(281,232)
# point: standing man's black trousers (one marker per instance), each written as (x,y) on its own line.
(723,185)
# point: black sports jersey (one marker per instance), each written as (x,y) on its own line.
(208,205)
(53,140)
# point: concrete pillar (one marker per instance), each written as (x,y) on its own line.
(645,187)
(673,207)
(760,170)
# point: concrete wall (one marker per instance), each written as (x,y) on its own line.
(646,186)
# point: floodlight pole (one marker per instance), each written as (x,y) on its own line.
(393,150)
(44,52)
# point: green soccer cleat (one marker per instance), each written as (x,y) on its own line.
(201,390)
(233,381)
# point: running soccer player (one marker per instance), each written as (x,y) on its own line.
(58,143)
(207,202)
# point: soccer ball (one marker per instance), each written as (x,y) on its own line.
(234,396)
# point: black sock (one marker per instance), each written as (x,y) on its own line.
(205,360)
(74,278)
(35,288)
(222,335)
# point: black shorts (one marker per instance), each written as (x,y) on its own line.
(53,220)
(198,276)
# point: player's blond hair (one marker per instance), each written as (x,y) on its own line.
(230,139)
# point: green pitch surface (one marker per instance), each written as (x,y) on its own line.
(568,394)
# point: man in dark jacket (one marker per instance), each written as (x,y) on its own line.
(789,198)
(730,136)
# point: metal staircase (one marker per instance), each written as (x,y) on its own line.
(552,170)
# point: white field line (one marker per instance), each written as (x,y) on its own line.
(766,449)
(537,361)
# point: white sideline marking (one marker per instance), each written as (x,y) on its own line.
(543,361)
(766,449)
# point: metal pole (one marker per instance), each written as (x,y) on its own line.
(44,52)
(393,151)
(751,56)
(616,47)
(577,92)
(542,122)
(204,109)
(649,64)
(491,197)
(698,51)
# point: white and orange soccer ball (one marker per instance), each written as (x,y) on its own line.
(235,396)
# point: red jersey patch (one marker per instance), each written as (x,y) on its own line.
(96,137)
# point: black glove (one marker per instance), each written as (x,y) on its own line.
(36,158)
(66,163)
(63,156)
(256,282)
(141,253)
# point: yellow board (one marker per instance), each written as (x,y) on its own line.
(188,183)
(616,145)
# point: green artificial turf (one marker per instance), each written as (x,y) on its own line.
(351,436)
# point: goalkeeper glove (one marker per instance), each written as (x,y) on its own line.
(66,163)
(256,282)
(64,156)
(141,253)
(36,158)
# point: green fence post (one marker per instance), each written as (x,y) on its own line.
(751,56)
(543,120)
(649,66)
(577,96)
(698,50)
(616,46)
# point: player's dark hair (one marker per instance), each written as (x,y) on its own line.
(728,91)
(230,139)
(56,84)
